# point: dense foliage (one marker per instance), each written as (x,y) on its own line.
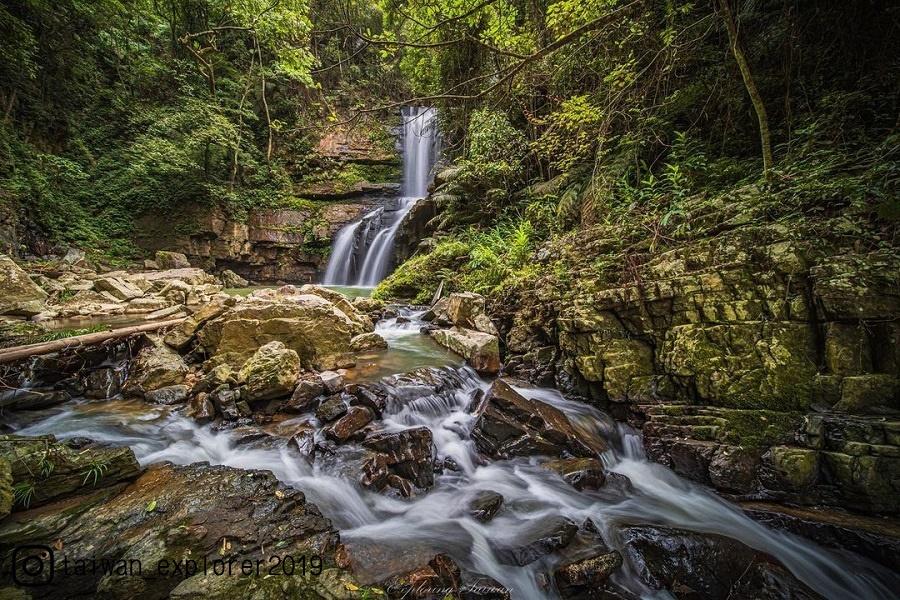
(653,104)
(560,114)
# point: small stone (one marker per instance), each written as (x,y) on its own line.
(356,418)
(367,341)
(332,407)
(201,408)
(588,573)
(544,537)
(230,279)
(580,473)
(332,381)
(304,395)
(171,260)
(173,394)
(485,505)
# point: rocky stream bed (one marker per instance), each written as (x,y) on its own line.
(333,444)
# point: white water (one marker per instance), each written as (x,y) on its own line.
(438,520)
(363,251)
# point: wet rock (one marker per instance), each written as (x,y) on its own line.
(198,512)
(512,425)
(873,537)
(225,400)
(481,587)
(481,350)
(764,579)
(694,565)
(586,574)
(216,376)
(53,470)
(332,381)
(485,505)
(355,419)
(580,473)
(734,468)
(372,396)
(25,399)
(171,260)
(155,366)
(271,372)
(333,407)
(201,408)
(537,540)
(367,341)
(440,578)
(21,296)
(305,394)
(172,394)
(403,460)
(230,279)
(304,442)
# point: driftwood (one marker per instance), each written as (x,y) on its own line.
(90,339)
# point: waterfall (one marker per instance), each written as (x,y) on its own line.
(363,251)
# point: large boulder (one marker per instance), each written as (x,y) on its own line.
(230,279)
(118,288)
(171,260)
(271,372)
(317,330)
(361,322)
(21,296)
(43,470)
(698,565)
(402,460)
(155,366)
(366,342)
(511,425)
(182,334)
(187,526)
(481,350)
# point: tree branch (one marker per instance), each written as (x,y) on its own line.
(514,69)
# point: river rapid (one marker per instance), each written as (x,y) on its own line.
(386,531)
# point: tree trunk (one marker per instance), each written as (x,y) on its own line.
(91,339)
(759,106)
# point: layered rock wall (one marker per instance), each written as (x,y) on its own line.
(759,357)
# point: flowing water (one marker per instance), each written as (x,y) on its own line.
(438,521)
(363,251)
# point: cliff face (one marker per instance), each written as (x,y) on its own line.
(354,171)
(269,245)
(760,357)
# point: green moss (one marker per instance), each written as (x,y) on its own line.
(757,428)
(418,278)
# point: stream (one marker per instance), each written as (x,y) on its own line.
(386,531)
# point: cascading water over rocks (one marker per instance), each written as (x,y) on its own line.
(363,251)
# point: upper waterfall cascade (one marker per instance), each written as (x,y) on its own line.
(363,251)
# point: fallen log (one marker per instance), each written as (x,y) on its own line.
(89,339)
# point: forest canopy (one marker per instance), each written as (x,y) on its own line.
(115,108)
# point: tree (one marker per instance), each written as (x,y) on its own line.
(765,136)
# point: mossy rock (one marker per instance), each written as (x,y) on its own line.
(6,489)
(797,468)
